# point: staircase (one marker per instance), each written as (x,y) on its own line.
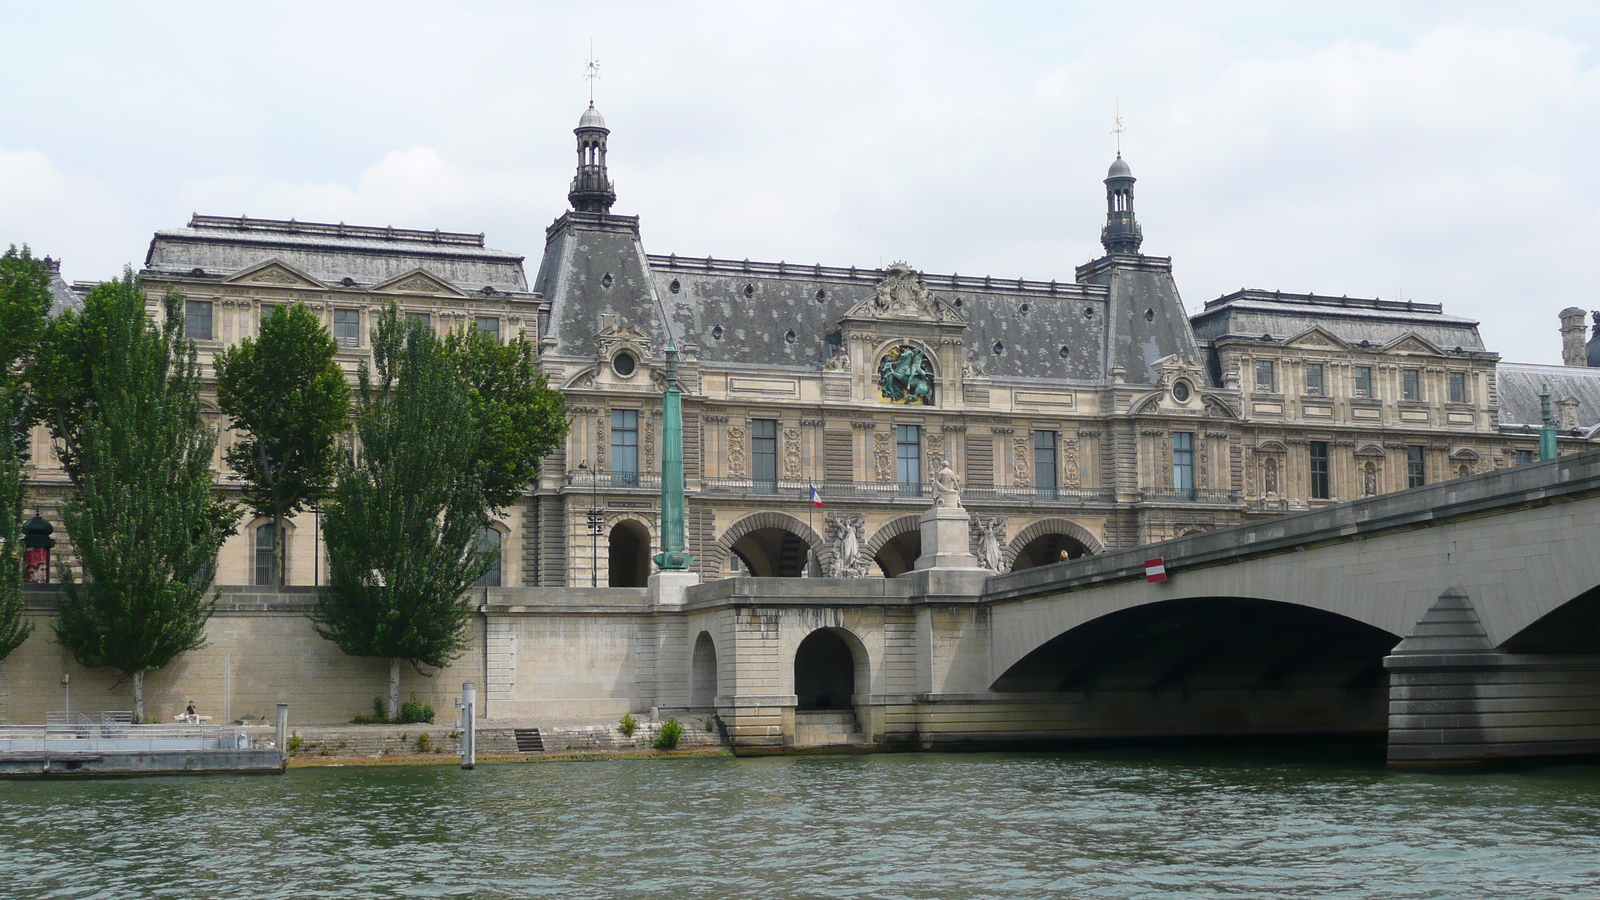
(827,728)
(529,741)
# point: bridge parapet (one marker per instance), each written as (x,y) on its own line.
(1567,478)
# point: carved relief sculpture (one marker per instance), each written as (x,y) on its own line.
(791,454)
(1070,473)
(839,361)
(736,451)
(845,532)
(1022,470)
(990,529)
(883,457)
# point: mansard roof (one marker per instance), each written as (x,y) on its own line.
(220,247)
(1254,313)
(1519,386)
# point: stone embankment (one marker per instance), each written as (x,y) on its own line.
(317,743)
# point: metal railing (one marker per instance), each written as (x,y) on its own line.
(1186,495)
(828,490)
(100,737)
(792,489)
(1013,493)
(607,480)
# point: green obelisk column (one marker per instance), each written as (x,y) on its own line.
(672,555)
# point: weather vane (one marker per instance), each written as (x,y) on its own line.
(1117,128)
(591,72)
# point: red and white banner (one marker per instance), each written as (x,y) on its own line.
(1155,570)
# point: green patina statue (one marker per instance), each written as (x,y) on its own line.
(904,376)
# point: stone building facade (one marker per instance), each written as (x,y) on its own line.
(1080,415)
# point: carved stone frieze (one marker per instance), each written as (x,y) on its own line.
(736,451)
(1023,476)
(791,454)
(883,457)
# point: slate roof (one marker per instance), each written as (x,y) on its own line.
(757,305)
(220,246)
(1520,383)
(1253,313)
(62,295)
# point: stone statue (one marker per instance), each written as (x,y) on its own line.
(989,529)
(904,376)
(946,487)
(839,361)
(847,562)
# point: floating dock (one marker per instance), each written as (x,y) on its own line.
(83,747)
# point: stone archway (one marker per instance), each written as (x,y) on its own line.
(703,684)
(896,546)
(825,672)
(1034,541)
(773,544)
(628,554)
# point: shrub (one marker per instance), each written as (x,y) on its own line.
(424,742)
(294,743)
(671,733)
(628,724)
(414,711)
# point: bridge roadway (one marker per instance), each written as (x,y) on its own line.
(1461,619)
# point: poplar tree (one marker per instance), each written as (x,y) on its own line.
(145,521)
(24,304)
(403,521)
(288,399)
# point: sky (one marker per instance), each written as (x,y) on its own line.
(1436,152)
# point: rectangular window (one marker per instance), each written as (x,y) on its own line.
(1458,387)
(197,320)
(267,312)
(1363,381)
(908,459)
(265,573)
(1410,384)
(764,454)
(1319,471)
(1314,379)
(1044,464)
(1524,457)
(424,318)
(489,325)
(1266,377)
(1183,463)
(1416,473)
(347,327)
(489,542)
(624,447)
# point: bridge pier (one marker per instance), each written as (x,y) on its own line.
(1455,700)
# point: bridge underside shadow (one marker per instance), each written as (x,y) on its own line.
(1221,668)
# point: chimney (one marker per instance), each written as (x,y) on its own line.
(1573,351)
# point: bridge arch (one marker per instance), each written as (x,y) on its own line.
(896,546)
(773,544)
(704,683)
(1571,628)
(1045,528)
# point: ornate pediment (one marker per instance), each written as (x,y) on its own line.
(275,273)
(417,281)
(901,295)
(1412,344)
(617,332)
(1317,336)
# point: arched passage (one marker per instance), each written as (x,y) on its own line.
(1571,628)
(1224,666)
(824,672)
(896,546)
(773,545)
(703,673)
(1043,542)
(629,549)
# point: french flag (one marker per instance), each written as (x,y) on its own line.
(816,498)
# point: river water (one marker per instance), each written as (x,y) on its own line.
(1224,823)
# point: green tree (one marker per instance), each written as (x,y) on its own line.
(24,305)
(403,522)
(288,398)
(145,521)
(520,419)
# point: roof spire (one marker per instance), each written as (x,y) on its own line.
(591,72)
(1117,128)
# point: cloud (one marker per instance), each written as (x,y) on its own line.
(73,217)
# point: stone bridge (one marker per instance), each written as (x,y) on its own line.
(1461,620)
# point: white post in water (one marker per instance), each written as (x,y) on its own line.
(469,724)
(283,731)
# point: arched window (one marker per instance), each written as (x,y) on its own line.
(266,572)
(489,542)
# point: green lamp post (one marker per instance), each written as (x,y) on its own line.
(1547,434)
(672,556)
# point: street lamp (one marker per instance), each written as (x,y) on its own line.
(595,524)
